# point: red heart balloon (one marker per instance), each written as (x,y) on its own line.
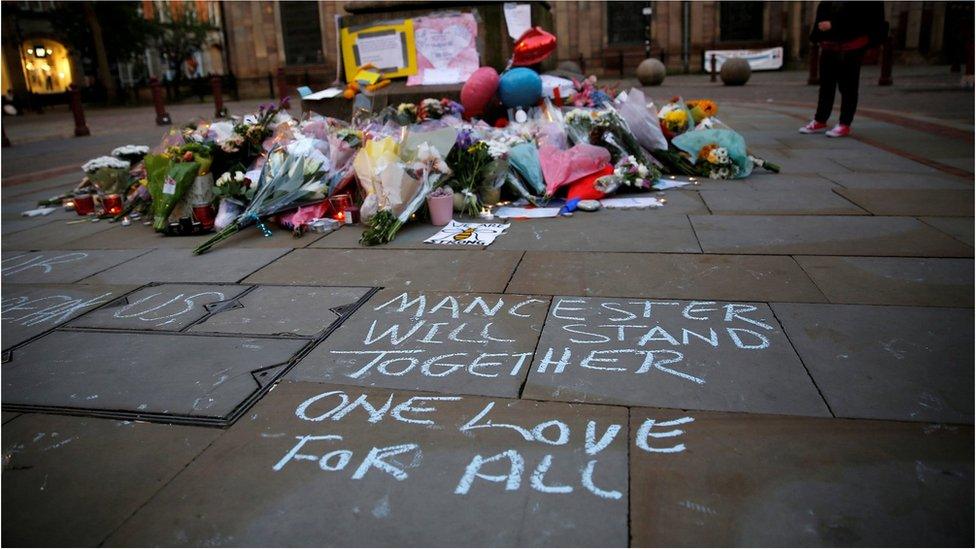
(533,47)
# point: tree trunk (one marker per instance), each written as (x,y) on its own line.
(104,72)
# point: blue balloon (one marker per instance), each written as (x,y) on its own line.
(520,87)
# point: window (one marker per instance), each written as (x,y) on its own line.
(741,21)
(626,23)
(301,33)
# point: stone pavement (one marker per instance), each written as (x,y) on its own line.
(784,360)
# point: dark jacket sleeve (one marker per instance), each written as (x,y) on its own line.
(823,11)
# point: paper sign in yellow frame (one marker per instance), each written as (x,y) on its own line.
(350,51)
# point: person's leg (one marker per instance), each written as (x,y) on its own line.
(848,81)
(829,65)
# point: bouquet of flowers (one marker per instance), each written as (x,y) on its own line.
(627,172)
(701,109)
(132,154)
(589,95)
(417,176)
(168,180)
(108,174)
(675,117)
(287,181)
(428,109)
(471,164)
(719,154)
(234,185)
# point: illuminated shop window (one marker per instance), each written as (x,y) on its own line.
(47,67)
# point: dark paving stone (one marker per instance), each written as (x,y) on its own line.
(409,495)
(761,181)
(677,354)
(729,277)
(899,180)
(799,201)
(303,311)
(71,481)
(51,267)
(652,230)
(54,236)
(142,373)
(959,228)
(29,309)
(16,223)
(220,265)
(680,202)
(892,280)
(8,416)
(477,344)
(881,162)
(166,307)
(902,363)
(140,236)
(824,235)
(934,202)
(436,270)
(754,480)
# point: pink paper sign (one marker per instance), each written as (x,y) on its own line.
(446,49)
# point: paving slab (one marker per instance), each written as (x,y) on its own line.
(144,373)
(30,309)
(762,181)
(914,202)
(51,267)
(140,236)
(71,481)
(680,202)
(701,355)
(436,270)
(824,235)
(478,344)
(786,202)
(309,472)
(163,307)
(659,230)
(8,416)
(220,265)
(15,223)
(959,228)
(729,277)
(899,180)
(937,282)
(900,363)
(758,480)
(300,311)
(54,236)
(881,162)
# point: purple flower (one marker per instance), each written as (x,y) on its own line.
(465,139)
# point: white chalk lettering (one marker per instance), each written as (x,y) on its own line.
(559,307)
(589,485)
(593,446)
(560,365)
(627,314)
(570,328)
(449,302)
(293,453)
(732,311)
(734,334)
(393,332)
(695,307)
(538,478)
(425,368)
(644,432)
(517,306)
(592,357)
(512,480)
(409,406)
(375,460)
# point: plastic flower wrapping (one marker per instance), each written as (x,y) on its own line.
(268,167)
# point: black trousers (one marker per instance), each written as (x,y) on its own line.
(839,70)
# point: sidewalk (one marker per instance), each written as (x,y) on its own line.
(782,360)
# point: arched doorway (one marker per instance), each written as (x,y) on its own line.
(47,67)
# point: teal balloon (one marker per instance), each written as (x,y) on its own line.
(520,87)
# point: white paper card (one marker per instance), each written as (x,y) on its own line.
(518,17)
(468,234)
(169,186)
(38,211)
(382,50)
(534,213)
(635,202)
(665,184)
(435,77)
(327,93)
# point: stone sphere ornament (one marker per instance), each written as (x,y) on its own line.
(735,71)
(520,87)
(569,66)
(651,72)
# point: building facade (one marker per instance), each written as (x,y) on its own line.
(252,40)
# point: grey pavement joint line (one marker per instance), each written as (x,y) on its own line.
(156,493)
(950,235)
(815,285)
(800,358)
(852,203)
(514,270)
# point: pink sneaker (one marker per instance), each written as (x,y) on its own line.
(814,127)
(839,130)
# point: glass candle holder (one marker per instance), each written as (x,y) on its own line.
(112,204)
(84,204)
(204,213)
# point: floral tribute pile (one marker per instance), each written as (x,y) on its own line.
(389,168)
